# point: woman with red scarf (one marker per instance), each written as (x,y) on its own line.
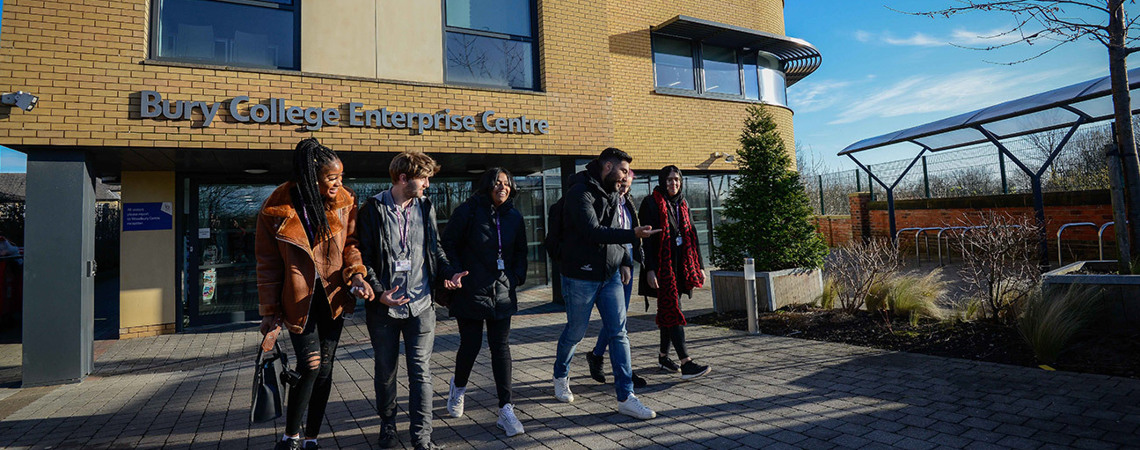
(672,266)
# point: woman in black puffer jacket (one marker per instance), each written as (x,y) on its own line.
(485,236)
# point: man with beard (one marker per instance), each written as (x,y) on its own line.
(399,243)
(595,266)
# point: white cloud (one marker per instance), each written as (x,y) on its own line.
(949,93)
(918,40)
(998,36)
(812,95)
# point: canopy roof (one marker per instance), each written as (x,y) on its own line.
(798,58)
(1058,108)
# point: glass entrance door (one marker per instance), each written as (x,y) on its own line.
(222,283)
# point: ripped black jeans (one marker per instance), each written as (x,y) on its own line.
(316,348)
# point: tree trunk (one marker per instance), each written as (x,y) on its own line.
(1125,137)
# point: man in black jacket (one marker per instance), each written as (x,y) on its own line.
(399,244)
(594,269)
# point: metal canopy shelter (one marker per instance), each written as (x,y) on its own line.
(798,58)
(1067,107)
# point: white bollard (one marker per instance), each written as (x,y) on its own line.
(750,288)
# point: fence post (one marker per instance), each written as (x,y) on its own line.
(822,209)
(870,183)
(858,182)
(925,177)
(1001,167)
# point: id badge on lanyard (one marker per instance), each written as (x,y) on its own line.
(678,241)
(404,264)
(499,263)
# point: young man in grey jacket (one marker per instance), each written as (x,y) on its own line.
(399,244)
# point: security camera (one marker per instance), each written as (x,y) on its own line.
(20,99)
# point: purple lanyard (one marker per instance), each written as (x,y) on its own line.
(404,231)
(498,231)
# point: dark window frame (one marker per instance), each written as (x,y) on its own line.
(698,61)
(532,40)
(156,22)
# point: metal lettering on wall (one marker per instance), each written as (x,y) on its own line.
(276,111)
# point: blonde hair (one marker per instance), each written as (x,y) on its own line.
(414,164)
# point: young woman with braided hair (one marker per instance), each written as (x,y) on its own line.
(672,266)
(306,258)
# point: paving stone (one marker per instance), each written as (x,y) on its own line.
(765,392)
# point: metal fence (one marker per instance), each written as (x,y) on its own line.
(973,171)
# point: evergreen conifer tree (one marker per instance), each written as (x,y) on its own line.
(768,212)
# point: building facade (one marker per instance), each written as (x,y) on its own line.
(192,105)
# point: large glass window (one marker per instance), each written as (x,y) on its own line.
(722,72)
(249,33)
(746,74)
(491,43)
(673,62)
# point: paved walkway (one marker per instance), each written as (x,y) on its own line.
(192,390)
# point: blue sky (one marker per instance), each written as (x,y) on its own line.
(884,71)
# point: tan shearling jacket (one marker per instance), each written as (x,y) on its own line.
(287,266)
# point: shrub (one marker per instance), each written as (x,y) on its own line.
(826,300)
(767,213)
(910,296)
(855,268)
(999,263)
(1053,316)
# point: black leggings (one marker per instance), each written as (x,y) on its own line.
(315,347)
(471,340)
(676,335)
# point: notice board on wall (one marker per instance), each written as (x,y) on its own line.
(148,216)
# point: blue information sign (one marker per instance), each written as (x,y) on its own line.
(148,216)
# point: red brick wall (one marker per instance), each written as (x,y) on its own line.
(1061,208)
(836,230)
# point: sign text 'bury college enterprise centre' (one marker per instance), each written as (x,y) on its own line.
(153,106)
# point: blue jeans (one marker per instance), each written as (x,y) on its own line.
(580,297)
(603,336)
(419,338)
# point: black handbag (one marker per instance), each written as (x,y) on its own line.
(270,380)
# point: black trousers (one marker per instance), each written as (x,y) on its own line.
(316,348)
(676,336)
(498,339)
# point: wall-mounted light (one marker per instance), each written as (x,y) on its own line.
(20,99)
(256,171)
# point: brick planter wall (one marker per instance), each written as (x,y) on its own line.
(1060,208)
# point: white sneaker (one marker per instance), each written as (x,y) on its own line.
(632,407)
(508,422)
(562,390)
(455,399)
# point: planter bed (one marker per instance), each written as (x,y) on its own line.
(1117,355)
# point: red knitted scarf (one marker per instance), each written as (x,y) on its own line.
(691,276)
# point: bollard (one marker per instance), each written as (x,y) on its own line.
(750,288)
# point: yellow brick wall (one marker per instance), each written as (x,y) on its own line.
(659,130)
(87,60)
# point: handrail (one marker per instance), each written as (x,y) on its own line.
(1061,230)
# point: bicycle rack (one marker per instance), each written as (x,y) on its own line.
(938,240)
(1100,237)
(1062,230)
(925,240)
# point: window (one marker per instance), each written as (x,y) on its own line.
(684,67)
(491,43)
(249,33)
